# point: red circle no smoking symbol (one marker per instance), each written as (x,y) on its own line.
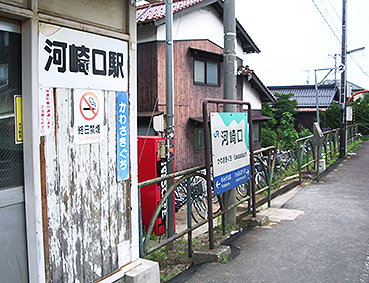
(89,106)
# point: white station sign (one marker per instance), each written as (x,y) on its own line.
(76,59)
(230,150)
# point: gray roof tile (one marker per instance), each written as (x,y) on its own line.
(305,95)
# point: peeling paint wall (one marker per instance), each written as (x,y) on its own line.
(87,209)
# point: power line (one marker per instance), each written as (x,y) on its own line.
(337,29)
(326,21)
(339,17)
(326,10)
(357,64)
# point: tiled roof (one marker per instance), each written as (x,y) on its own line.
(157,11)
(306,95)
(150,13)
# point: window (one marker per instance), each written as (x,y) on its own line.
(199,71)
(206,72)
(212,73)
(256,131)
(11,154)
(199,138)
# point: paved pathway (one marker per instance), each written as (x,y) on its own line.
(325,239)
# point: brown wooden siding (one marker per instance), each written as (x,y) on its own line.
(147,76)
(188,97)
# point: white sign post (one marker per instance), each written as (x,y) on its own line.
(230,150)
(88,116)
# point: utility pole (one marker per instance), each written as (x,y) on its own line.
(169,109)
(343,131)
(230,80)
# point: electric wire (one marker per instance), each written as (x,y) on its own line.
(353,59)
(316,6)
(329,15)
(339,17)
(357,64)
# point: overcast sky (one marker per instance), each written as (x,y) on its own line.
(295,39)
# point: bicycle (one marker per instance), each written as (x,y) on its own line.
(197,184)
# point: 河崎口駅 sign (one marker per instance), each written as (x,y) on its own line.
(230,150)
(77,59)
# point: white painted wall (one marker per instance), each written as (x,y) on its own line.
(200,24)
(250,95)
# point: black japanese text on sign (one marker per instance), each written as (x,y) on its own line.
(76,59)
(80,58)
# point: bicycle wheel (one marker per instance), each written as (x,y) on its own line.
(180,196)
(199,190)
(260,180)
(243,190)
(199,210)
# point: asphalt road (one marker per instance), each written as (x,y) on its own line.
(328,241)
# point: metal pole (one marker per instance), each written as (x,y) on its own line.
(208,170)
(230,80)
(317,99)
(169,108)
(316,90)
(343,84)
(335,70)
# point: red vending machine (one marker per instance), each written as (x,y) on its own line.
(151,166)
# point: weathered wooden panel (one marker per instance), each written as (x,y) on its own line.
(87,208)
(161,73)
(103,12)
(19,3)
(147,79)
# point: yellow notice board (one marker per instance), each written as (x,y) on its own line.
(18,119)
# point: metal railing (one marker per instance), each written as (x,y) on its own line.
(181,177)
(307,162)
(306,151)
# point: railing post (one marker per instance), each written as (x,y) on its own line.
(189,220)
(298,161)
(140,230)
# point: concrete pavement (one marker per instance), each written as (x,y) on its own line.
(319,233)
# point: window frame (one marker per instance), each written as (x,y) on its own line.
(258,125)
(205,75)
(199,138)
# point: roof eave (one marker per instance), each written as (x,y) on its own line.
(248,45)
(266,95)
(180,13)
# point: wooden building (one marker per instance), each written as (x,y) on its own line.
(198,72)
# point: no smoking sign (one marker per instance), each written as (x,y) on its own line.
(89,106)
(88,116)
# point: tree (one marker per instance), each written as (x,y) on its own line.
(332,117)
(284,104)
(288,134)
(282,121)
(361,108)
(268,134)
